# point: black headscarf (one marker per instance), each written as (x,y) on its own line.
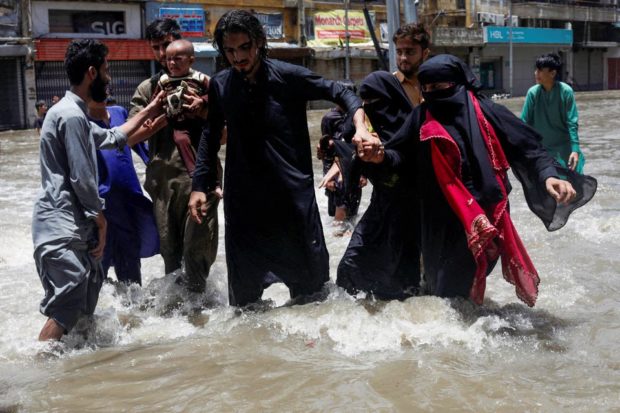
(454,109)
(522,145)
(386,104)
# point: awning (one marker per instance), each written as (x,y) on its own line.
(9,50)
(53,50)
(277,50)
(204,49)
(280,50)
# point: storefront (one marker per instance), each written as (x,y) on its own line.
(527,44)
(118,25)
(14,113)
(14,62)
(198,21)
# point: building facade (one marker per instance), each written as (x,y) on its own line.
(17,90)
(34,35)
(583,33)
(117,24)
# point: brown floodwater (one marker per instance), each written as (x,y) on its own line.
(156,348)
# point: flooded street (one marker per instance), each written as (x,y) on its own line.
(158,348)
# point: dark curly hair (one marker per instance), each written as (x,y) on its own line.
(417,33)
(240,21)
(160,28)
(80,55)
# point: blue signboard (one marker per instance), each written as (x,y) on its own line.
(191,20)
(529,35)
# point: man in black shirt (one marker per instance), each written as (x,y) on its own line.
(273,227)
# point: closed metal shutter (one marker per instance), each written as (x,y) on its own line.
(126,76)
(12,111)
(51,79)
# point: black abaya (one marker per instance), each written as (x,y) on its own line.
(382,257)
(273,230)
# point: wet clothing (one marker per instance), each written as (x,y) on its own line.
(554,116)
(169,185)
(466,144)
(382,257)
(187,126)
(131,232)
(63,226)
(273,227)
(336,126)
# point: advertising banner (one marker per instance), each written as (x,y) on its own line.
(329,28)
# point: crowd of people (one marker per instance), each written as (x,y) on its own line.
(434,148)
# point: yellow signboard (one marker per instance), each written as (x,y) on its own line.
(329,28)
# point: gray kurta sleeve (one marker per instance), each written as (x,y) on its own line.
(82,165)
(108,138)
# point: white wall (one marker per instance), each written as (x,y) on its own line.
(40,18)
(524,57)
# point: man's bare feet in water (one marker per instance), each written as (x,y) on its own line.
(51,331)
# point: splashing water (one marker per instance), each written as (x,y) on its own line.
(158,346)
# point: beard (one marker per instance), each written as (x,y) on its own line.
(250,66)
(99,89)
(410,71)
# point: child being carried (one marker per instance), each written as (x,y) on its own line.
(184,115)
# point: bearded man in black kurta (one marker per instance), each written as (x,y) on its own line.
(273,229)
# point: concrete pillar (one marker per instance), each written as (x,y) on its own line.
(474,60)
(30,86)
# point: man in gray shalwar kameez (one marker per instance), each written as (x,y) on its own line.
(68,226)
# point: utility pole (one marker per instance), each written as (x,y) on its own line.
(347,39)
(393,21)
(510,54)
(301,17)
(411,14)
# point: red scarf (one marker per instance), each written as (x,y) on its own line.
(490,231)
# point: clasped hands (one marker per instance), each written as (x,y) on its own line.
(368,146)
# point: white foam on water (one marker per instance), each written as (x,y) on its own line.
(353,327)
(573,327)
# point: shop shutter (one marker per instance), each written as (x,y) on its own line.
(12,115)
(51,79)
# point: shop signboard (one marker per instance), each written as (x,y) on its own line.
(527,35)
(191,19)
(73,19)
(87,21)
(329,28)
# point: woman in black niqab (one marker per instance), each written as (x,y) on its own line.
(467,144)
(382,257)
